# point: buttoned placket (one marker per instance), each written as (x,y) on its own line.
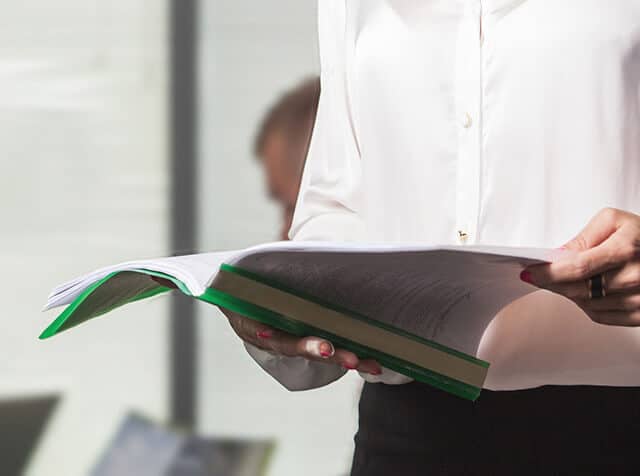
(468,107)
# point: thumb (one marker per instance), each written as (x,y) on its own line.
(605,223)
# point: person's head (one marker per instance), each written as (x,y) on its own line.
(282,142)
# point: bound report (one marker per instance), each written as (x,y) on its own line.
(418,310)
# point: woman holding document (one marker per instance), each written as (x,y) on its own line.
(505,122)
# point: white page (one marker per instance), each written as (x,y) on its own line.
(448,294)
(195,271)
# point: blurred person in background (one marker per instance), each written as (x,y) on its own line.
(282,141)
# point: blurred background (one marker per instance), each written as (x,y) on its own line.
(142,128)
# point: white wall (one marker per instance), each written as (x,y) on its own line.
(83,184)
(250,52)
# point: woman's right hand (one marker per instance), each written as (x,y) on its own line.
(311,348)
(282,343)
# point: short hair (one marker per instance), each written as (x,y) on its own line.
(293,114)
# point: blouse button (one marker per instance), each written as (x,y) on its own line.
(466,121)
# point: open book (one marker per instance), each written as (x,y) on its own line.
(419,310)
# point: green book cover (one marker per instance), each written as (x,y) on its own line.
(384,310)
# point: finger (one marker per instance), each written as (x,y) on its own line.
(612,253)
(622,280)
(251,331)
(346,359)
(606,222)
(609,240)
(616,318)
(318,349)
(370,366)
(350,361)
(312,348)
(315,348)
(614,302)
(309,347)
(246,327)
(576,290)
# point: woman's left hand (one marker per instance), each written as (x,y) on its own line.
(608,246)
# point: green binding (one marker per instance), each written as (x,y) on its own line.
(80,310)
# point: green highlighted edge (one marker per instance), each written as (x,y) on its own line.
(64,320)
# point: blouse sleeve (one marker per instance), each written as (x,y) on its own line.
(329,199)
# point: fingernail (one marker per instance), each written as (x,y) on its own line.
(319,348)
(376,372)
(326,350)
(264,334)
(526,277)
(349,366)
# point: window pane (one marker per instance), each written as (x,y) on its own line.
(83,161)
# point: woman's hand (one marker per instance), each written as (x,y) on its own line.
(282,343)
(608,246)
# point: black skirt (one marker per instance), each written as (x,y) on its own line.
(414,429)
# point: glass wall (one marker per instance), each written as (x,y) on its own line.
(83,165)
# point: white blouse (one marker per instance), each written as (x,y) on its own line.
(507,122)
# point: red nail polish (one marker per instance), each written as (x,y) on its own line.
(526,277)
(326,350)
(264,334)
(348,366)
(376,372)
